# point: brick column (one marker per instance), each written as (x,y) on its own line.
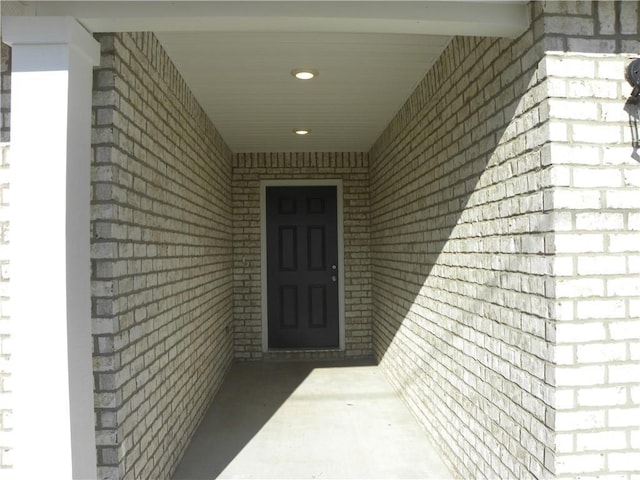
(595,196)
(50,284)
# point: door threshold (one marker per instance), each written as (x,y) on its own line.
(304,354)
(304,349)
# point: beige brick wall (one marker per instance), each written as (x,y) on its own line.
(459,257)
(248,170)
(161,259)
(501,273)
(596,205)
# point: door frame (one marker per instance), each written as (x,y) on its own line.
(263,251)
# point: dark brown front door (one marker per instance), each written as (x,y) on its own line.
(302,267)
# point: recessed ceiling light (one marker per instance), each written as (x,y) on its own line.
(304,73)
(302,131)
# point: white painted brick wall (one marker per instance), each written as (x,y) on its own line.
(161,260)
(6,405)
(596,414)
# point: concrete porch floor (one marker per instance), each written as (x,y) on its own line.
(309,420)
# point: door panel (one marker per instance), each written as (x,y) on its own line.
(317,306)
(316,248)
(288,241)
(302,260)
(288,306)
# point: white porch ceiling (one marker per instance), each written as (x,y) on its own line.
(244,82)
(236,57)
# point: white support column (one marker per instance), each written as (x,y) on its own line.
(52,60)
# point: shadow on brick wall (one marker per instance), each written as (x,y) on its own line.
(461,312)
(457,208)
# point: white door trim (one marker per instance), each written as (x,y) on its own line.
(263,250)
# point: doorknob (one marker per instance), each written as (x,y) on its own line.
(334,278)
(333,267)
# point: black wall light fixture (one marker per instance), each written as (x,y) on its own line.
(632,106)
(632,75)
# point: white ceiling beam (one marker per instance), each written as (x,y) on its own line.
(498,19)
